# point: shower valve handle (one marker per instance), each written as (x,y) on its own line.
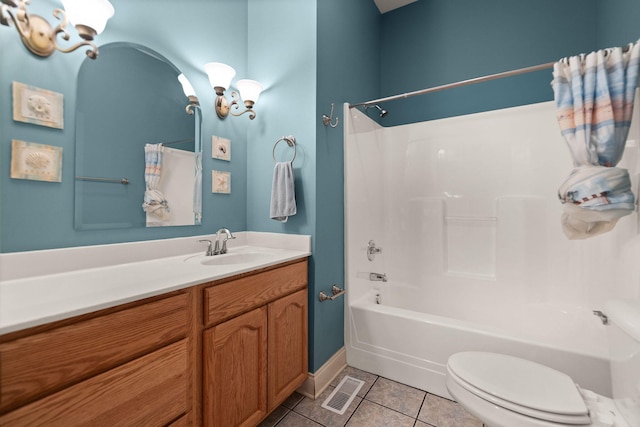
(372,250)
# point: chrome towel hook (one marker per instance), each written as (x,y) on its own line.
(327,120)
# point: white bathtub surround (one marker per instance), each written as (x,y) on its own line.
(466,210)
(43,286)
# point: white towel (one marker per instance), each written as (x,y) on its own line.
(283,197)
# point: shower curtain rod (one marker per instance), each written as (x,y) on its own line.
(458,84)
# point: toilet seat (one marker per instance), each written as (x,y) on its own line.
(520,386)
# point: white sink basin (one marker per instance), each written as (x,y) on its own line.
(235,258)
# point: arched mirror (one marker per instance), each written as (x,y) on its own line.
(129,98)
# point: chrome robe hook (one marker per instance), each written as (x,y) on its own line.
(327,120)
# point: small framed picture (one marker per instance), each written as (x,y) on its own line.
(221,182)
(37,106)
(37,162)
(220,148)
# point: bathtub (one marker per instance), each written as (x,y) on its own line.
(465,213)
(412,347)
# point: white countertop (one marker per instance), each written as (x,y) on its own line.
(44,286)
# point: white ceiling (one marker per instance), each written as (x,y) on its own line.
(388,5)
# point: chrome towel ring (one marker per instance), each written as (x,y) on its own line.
(291,142)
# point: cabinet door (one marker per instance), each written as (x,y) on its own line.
(235,371)
(288,349)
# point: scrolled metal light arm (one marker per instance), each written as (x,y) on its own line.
(39,36)
(236,106)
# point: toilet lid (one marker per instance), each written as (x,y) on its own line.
(536,389)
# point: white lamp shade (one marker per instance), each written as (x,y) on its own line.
(250,90)
(186,86)
(220,75)
(92,13)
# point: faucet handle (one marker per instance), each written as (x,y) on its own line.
(209,251)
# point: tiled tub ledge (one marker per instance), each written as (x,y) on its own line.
(39,287)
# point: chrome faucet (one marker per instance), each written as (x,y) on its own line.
(217,250)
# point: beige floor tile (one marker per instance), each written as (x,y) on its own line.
(293,400)
(296,420)
(441,412)
(399,397)
(370,414)
(368,379)
(274,417)
(312,409)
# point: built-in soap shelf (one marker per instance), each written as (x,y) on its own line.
(470,246)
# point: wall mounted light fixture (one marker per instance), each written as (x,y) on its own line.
(220,76)
(190,93)
(88,16)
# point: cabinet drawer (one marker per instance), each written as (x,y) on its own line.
(229,299)
(148,391)
(36,365)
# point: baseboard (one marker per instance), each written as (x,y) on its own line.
(317,382)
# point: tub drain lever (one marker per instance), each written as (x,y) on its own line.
(335,290)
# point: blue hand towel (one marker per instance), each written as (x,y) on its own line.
(283,197)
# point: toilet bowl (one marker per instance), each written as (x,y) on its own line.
(506,391)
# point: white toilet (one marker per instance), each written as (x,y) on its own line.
(506,391)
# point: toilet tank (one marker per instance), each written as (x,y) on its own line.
(624,346)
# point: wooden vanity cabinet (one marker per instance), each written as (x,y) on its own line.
(223,353)
(255,352)
(123,366)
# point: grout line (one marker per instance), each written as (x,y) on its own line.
(424,399)
(354,412)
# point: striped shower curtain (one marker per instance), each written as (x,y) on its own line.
(594,94)
(154,203)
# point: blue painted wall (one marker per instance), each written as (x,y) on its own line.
(348,69)
(39,215)
(435,42)
(617,22)
(304,53)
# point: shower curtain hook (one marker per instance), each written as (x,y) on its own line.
(327,120)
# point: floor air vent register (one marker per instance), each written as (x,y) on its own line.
(340,399)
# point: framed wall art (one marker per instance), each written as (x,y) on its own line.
(37,162)
(221,182)
(37,106)
(221,148)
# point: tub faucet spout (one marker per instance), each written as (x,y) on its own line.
(378,277)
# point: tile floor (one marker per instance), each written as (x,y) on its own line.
(380,403)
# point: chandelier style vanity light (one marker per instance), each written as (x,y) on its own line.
(220,76)
(88,16)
